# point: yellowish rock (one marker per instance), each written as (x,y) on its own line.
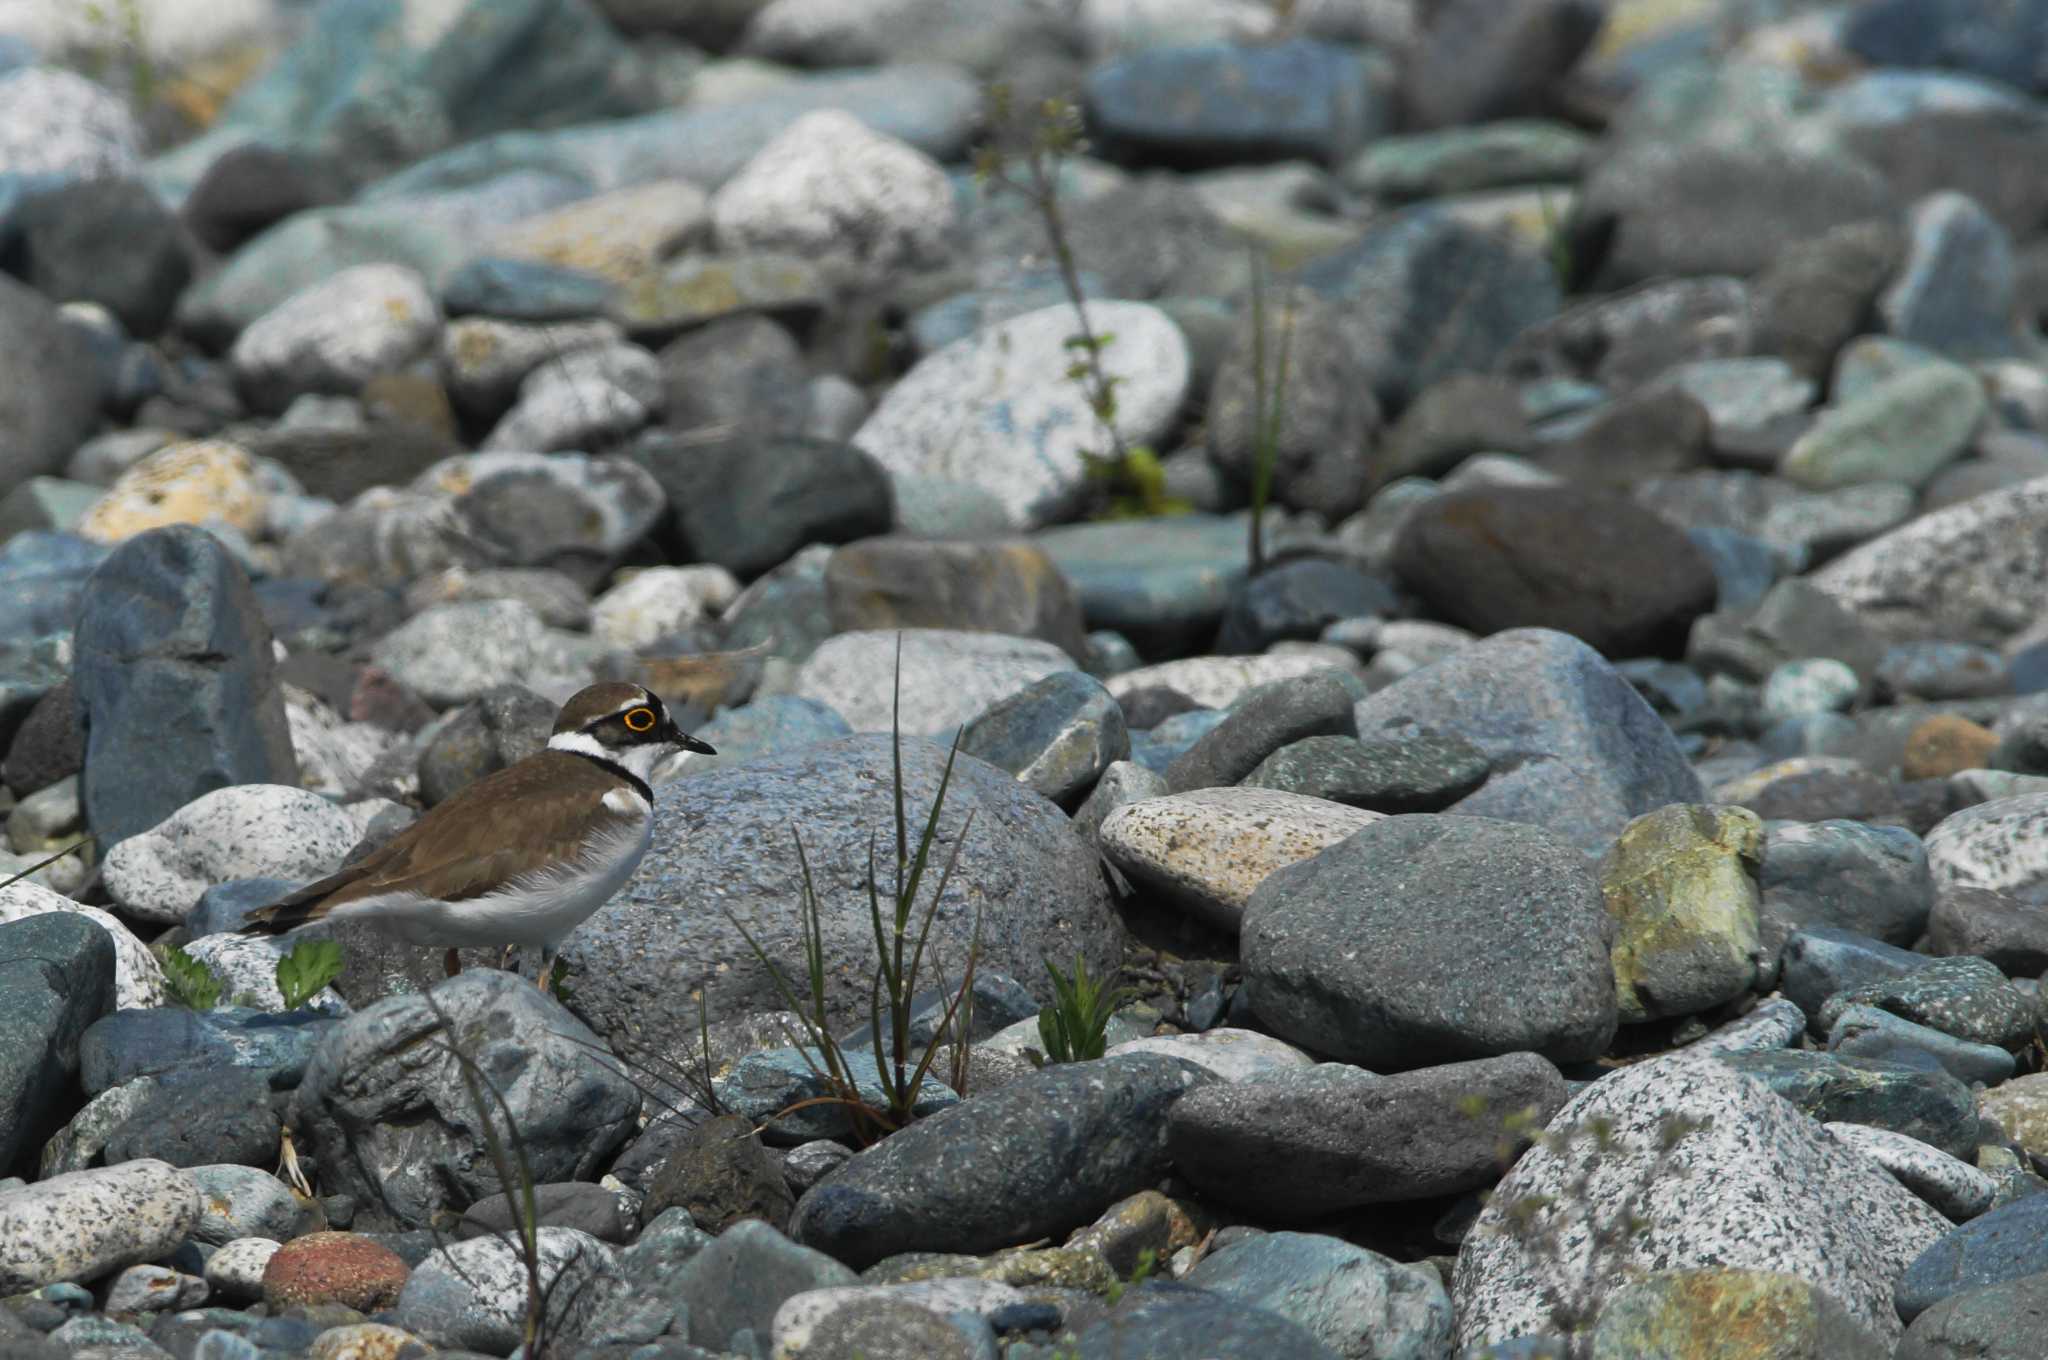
(620,236)
(1681,886)
(2020,1107)
(196,482)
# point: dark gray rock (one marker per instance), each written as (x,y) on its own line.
(1427,295)
(1057,735)
(1406,768)
(1031,1159)
(1621,340)
(1275,714)
(1598,567)
(1448,422)
(393,1122)
(1985,1322)
(1162,1318)
(48,746)
(1318,1141)
(1910,671)
(525,290)
(56,979)
(726,838)
(1162,583)
(250,187)
(1965,997)
(742,1277)
(2011,933)
(1000,586)
(30,671)
(341,464)
(201,1117)
(1357,1302)
(784,1092)
(1820,961)
(1430,939)
(1479,62)
(137,1043)
(1870,879)
(1295,601)
(53,400)
(506,725)
(557,1204)
(1817,294)
(1921,1102)
(637,1302)
(1573,747)
(1226,104)
(176,683)
(741,375)
(226,906)
(749,501)
(109,241)
(2009,1243)
(1867,1032)
(721,1174)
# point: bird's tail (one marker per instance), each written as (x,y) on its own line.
(287,914)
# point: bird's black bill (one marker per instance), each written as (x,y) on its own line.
(689,743)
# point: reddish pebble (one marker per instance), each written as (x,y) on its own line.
(334,1267)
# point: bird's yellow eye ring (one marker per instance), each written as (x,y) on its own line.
(638,719)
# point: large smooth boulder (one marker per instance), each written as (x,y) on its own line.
(725,852)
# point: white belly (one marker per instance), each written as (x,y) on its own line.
(539,908)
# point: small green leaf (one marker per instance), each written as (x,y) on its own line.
(192,984)
(310,966)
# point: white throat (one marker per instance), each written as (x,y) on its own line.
(639,761)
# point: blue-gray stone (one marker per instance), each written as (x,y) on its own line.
(1920,1102)
(939,324)
(1226,104)
(2009,1242)
(1158,747)
(56,979)
(1161,1318)
(1162,583)
(42,579)
(1867,1032)
(176,682)
(226,906)
(1991,38)
(525,290)
(1499,943)
(52,397)
(1275,714)
(1574,748)
(1035,1158)
(1820,961)
(137,1043)
(1934,670)
(1987,1322)
(1744,566)
(1295,601)
(1057,735)
(29,669)
(1403,769)
(1965,997)
(1359,1303)
(771,725)
(740,1279)
(1871,879)
(201,1117)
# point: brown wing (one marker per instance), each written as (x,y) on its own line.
(522,818)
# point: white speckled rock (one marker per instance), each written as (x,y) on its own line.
(244,831)
(235,1272)
(1951,1185)
(333,755)
(363,1341)
(653,603)
(56,122)
(138,978)
(997,409)
(1234,1055)
(80,1143)
(1744,788)
(472,1295)
(247,969)
(1219,681)
(948,676)
(1775,1023)
(829,185)
(452,653)
(2002,844)
(1806,687)
(798,1316)
(154,1289)
(585,399)
(483,359)
(1209,850)
(1764,1187)
(337,334)
(1977,571)
(87,1224)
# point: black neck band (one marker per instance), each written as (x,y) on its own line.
(612,766)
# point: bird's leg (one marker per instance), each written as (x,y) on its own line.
(547,971)
(508,962)
(452,964)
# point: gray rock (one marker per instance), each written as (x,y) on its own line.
(1358,1303)
(1988,1321)
(771,1089)
(1207,851)
(1340,960)
(1680,884)
(199,1117)
(744,375)
(1620,340)
(246,1201)
(533,509)
(2006,1244)
(1954,290)
(1302,1144)
(942,676)
(1870,879)
(51,410)
(1122,783)
(1057,735)
(472,1295)
(1819,961)
(1476,63)
(750,500)
(1817,293)
(455,653)
(1575,748)
(1995,845)
(85,1224)
(251,830)
(1397,770)
(589,398)
(741,1278)
(1864,1031)
(1296,600)
(1031,1159)
(504,725)
(154,1289)
(1760,1187)
(336,335)
(1955,1187)
(1164,1318)
(559,1204)
(2011,933)
(111,242)
(396,1127)
(637,1302)
(1162,583)
(56,978)
(1904,429)
(483,360)
(176,682)
(720,1173)
(134,1043)
(1923,1102)
(1964,997)
(1775,1023)
(773,724)
(49,746)
(64,126)
(1491,155)
(997,587)
(1273,715)
(727,837)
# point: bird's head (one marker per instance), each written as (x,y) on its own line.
(624,723)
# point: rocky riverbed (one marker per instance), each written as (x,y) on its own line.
(1580,890)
